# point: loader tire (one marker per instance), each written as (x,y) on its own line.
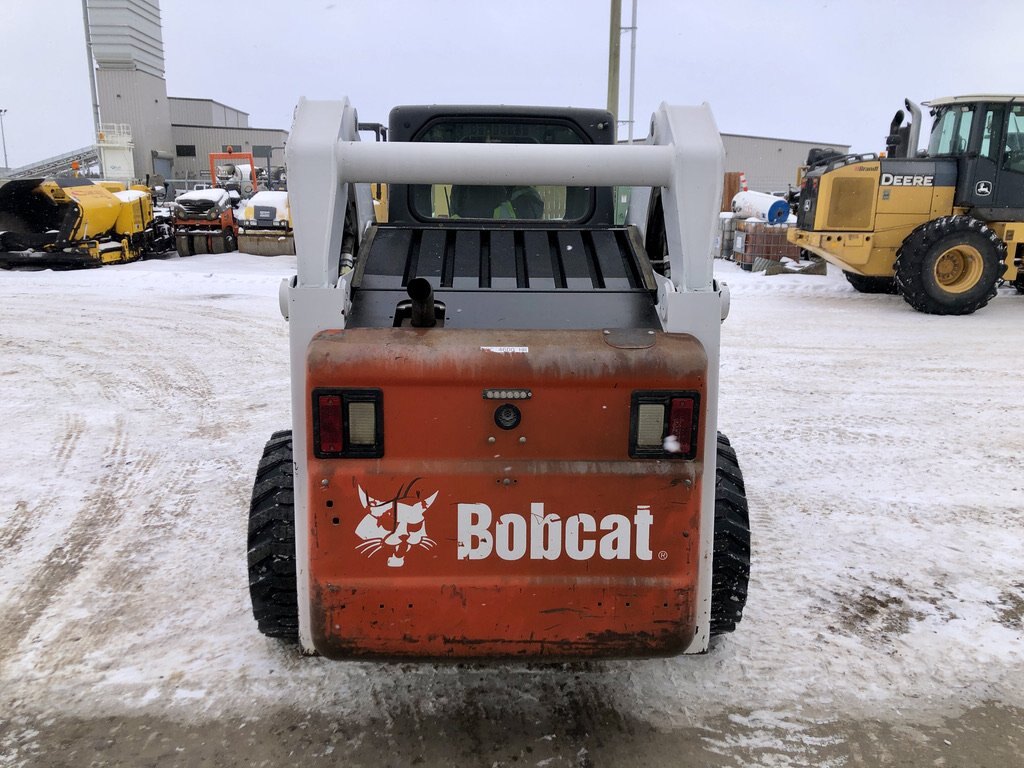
(950,266)
(730,564)
(1019,283)
(865,284)
(230,242)
(271,542)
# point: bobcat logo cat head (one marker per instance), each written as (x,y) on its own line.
(395,525)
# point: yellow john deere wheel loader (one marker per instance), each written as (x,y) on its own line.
(65,223)
(942,227)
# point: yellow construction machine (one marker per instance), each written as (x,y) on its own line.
(64,223)
(941,227)
(266,225)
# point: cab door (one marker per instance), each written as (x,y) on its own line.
(1008,194)
(979,166)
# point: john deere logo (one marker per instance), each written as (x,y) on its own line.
(983,188)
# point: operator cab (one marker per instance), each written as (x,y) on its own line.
(478,246)
(985,135)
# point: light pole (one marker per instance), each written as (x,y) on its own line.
(614,41)
(3,136)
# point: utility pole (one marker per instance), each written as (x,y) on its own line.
(632,69)
(3,136)
(92,72)
(614,41)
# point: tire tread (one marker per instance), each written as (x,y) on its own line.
(271,541)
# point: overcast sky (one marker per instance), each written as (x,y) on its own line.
(817,70)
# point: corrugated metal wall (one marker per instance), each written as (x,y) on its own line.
(189,111)
(139,99)
(769,164)
(209,139)
(126,34)
(206,112)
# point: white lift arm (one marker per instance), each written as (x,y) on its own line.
(684,157)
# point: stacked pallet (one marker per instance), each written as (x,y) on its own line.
(731,186)
(756,240)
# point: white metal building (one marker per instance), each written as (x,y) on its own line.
(172,137)
(128,48)
(202,126)
(769,164)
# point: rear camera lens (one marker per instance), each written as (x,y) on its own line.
(507,416)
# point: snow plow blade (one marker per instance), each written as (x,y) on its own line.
(46,260)
(268,243)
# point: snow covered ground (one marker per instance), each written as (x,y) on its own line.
(884,457)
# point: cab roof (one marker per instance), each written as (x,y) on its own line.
(408,120)
(998,98)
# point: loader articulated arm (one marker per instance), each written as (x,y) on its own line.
(684,157)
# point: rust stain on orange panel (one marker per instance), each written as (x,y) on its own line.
(467,539)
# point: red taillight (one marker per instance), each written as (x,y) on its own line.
(330,436)
(348,424)
(664,425)
(680,423)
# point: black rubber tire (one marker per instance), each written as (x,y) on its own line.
(730,565)
(917,258)
(271,542)
(230,241)
(1019,282)
(865,284)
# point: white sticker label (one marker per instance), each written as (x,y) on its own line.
(507,350)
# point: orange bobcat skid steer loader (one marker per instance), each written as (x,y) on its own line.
(504,419)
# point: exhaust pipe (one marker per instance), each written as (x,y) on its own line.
(915,127)
(422,294)
(894,141)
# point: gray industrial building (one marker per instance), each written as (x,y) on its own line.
(770,165)
(202,126)
(172,137)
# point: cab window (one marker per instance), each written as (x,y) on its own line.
(1014,159)
(951,130)
(990,132)
(963,131)
(942,133)
(513,202)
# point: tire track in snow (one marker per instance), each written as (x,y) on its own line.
(124,597)
(102,511)
(74,426)
(22,522)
